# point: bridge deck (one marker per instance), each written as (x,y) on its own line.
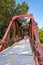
(18,54)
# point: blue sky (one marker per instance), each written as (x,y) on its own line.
(36,8)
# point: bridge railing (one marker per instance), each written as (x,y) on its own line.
(9,42)
(35,43)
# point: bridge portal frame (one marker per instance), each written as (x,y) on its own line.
(32,33)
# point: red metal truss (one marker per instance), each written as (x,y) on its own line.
(37,49)
(12,21)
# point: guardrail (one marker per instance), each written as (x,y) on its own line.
(9,41)
(35,43)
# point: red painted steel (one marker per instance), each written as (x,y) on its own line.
(10,25)
(37,49)
(32,33)
(7,32)
(38,43)
(0,48)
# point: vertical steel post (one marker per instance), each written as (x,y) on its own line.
(32,33)
(31,29)
(14,31)
(19,34)
(0,48)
